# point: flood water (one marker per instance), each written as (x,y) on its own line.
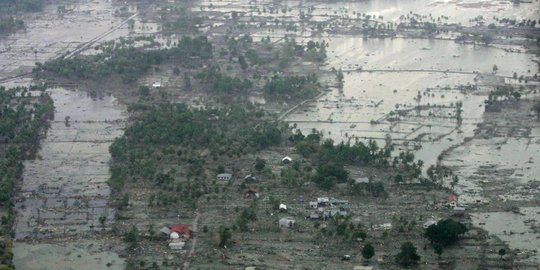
(64,192)
(49,34)
(458,12)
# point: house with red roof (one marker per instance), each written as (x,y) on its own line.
(182,230)
(452,200)
(251,193)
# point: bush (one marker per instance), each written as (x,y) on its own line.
(407,256)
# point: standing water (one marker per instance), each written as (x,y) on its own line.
(65,192)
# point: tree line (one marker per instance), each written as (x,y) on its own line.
(124,60)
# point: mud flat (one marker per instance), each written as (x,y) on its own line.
(50,34)
(519,230)
(64,193)
(82,255)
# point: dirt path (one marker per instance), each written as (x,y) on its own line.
(194,242)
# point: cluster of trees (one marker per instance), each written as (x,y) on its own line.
(23,120)
(503,92)
(357,153)
(294,87)
(127,62)
(332,158)
(438,173)
(328,174)
(407,256)
(246,216)
(345,229)
(183,23)
(522,23)
(445,233)
(10,24)
(14,6)
(536,109)
(376,189)
(222,83)
(178,130)
(311,51)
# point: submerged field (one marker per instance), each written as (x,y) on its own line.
(411,76)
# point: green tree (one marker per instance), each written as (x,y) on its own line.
(368,251)
(132,237)
(144,90)
(260,164)
(438,248)
(225,235)
(407,256)
(445,232)
(502,252)
(536,109)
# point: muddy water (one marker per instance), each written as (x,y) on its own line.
(65,191)
(403,70)
(460,11)
(64,194)
(515,229)
(49,34)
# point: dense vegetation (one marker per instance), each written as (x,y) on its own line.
(446,232)
(23,120)
(125,61)
(407,256)
(10,24)
(294,87)
(222,83)
(13,6)
(180,132)
(331,159)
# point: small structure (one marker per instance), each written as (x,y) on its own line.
(250,178)
(156,84)
(452,200)
(361,180)
(224,176)
(314,216)
(251,193)
(459,211)
(182,230)
(313,205)
(286,160)
(360,267)
(165,231)
(282,207)
(174,236)
(177,245)
(429,223)
(323,201)
(340,203)
(287,222)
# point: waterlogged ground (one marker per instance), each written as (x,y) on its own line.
(80,255)
(495,155)
(385,75)
(50,34)
(458,11)
(519,230)
(64,192)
